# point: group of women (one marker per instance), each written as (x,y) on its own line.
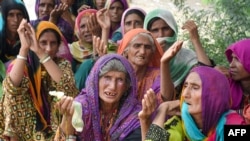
(150,88)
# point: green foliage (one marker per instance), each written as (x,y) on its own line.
(221,24)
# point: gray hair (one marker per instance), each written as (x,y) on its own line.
(115,65)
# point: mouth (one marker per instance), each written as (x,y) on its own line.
(110,94)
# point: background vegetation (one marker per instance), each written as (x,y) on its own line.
(226,22)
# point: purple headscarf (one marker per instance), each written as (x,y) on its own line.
(56,2)
(127,119)
(241,49)
(215,97)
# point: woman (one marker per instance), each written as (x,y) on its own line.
(38,69)
(108,104)
(12,13)
(115,10)
(82,49)
(132,18)
(163,27)
(237,55)
(205,109)
(52,10)
(144,53)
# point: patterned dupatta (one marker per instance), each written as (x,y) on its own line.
(127,119)
(216,103)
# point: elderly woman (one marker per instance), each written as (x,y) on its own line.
(108,105)
(26,109)
(205,107)
(12,13)
(144,53)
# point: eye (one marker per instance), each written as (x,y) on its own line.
(136,45)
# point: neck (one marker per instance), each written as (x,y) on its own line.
(114,25)
(12,36)
(140,71)
(245,84)
(107,108)
(198,120)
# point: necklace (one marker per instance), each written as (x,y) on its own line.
(106,122)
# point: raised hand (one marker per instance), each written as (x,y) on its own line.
(94,26)
(57,12)
(192,28)
(171,52)
(83,7)
(98,46)
(103,18)
(24,33)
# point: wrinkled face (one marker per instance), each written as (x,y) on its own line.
(160,28)
(85,34)
(100,4)
(49,43)
(132,21)
(237,70)
(112,85)
(115,11)
(14,18)
(192,90)
(45,7)
(140,51)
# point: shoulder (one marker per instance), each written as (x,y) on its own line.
(233,118)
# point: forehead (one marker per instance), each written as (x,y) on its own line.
(48,35)
(47,1)
(142,38)
(158,22)
(193,77)
(133,16)
(15,11)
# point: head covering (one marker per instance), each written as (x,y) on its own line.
(155,61)
(127,119)
(125,15)
(241,49)
(215,99)
(5,48)
(168,18)
(56,2)
(110,2)
(63,51)
(34,73)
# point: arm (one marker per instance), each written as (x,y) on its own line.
(105,23)
(167,87)
(195,39)
(57,12)
(148,107)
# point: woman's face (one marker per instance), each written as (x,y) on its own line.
(100,4)
(132,21)
(115,11)
(140,51)
(112,85)
(192,90)
(45,7)
(49,43)
(14,18)
(237,70)
(160,28)
(85,34)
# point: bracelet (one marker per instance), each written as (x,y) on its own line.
(42,59)
(21,57)
(45,60)
(71,138)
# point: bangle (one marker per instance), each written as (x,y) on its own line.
(21,57)
(45,60)
(71,138)
(44,57)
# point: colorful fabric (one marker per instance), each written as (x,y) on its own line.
(127,118)
(31,101)
(64,26)
(2,76)
(241,49)
(8,51)
(168,18)
(185,59)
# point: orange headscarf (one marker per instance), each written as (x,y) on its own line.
(155,61)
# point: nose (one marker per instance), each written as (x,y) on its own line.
(232,64)
(112,85)
(48,49)
(186,92)
(160,33)
(142,49)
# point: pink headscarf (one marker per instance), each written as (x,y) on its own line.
(241,49)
